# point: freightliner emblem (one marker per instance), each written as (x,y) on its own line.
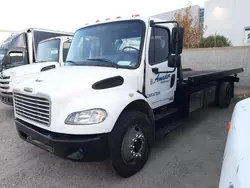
(28,89)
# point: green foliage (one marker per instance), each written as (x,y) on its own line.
(214,41)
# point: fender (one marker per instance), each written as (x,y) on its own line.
(113,100)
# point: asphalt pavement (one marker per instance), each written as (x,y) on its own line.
(188,157)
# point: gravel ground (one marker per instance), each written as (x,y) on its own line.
(189,157)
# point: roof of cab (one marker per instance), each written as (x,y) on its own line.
(144,19)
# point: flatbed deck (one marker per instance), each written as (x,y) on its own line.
(199,77)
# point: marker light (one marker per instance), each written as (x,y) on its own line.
(118,17)
(229,126)
(136,15)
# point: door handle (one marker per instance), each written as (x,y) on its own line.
(155,70)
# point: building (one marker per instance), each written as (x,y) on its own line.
(197,15)
(196,11)
(229,18)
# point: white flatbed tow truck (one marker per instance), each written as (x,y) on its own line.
(121,77)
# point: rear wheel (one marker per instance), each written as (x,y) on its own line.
(224,95)
(129,143)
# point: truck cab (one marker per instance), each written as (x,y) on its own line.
(120,78)
(51,53)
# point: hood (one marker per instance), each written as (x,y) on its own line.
(71,80)
(28,69)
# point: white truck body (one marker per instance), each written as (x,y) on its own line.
(51,56)
(121,77)
(236,160)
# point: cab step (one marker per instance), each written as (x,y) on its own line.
(165,113)
(162,130)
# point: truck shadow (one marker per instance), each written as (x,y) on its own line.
(200,121)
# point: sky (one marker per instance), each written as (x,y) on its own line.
(69,15)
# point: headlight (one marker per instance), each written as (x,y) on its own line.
(86,117)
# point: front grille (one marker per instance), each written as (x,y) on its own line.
(33,108)
(5,77)
(5,87)
(5,82)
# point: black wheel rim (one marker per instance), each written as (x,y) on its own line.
(133,145)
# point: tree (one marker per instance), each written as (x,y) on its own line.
(215,41)
(193,29)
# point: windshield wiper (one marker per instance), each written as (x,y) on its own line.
(41,61)
(113,64)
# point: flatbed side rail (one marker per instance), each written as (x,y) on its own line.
(212,76)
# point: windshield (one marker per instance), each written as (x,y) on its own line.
(48,51)
(2,54)
(117,43)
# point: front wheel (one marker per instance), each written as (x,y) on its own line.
(129,143)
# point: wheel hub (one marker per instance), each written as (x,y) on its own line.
(133,145)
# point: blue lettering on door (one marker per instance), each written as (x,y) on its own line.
(161,79)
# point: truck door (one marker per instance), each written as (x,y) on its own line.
(159,87)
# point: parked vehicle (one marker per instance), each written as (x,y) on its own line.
(4,34)
(236,160)
(18,63)
(21,47)
(121,77)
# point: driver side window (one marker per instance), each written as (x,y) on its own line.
(159,45)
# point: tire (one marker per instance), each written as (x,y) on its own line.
(122,139)
(224,96)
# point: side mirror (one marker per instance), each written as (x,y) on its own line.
(174,61)
(180,43)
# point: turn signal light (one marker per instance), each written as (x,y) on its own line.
(118,17)
(229,126)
